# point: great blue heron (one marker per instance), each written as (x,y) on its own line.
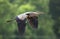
(32,18)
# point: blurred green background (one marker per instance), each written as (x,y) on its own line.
(49,24)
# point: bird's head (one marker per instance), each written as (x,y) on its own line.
(33,14)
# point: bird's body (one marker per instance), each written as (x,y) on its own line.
(32,18)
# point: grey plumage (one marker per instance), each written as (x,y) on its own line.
(32,18)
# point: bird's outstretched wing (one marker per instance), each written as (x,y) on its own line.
(33,21)
(21,25)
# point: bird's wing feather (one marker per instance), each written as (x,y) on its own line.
(33,21)
(21,25)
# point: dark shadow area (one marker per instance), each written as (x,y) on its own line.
(55,12)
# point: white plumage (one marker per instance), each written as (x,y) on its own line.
(22,16)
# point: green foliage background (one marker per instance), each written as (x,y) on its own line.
(11,8)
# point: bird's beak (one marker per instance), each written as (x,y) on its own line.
(39,13)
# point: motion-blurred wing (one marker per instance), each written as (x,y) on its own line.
(33,22)
(21,25)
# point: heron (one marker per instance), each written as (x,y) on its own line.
(31,17)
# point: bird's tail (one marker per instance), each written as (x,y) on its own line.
(10,20)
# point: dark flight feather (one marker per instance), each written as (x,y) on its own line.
(33,21)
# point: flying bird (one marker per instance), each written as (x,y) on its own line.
(31,17)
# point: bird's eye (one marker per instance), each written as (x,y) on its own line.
(27,14)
